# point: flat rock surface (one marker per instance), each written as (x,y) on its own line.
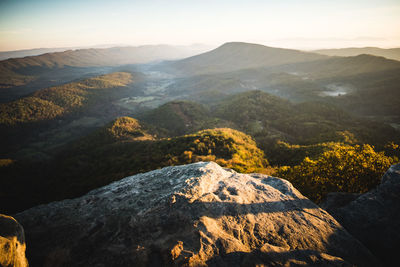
(374,217)
(191,215)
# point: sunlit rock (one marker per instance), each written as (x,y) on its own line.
(191,215)
(12,243)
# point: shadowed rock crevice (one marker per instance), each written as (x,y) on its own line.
(374,217)
(193,215)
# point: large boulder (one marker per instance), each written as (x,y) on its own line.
(191,215)
(12,243)
(374,217)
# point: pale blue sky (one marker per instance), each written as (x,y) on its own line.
(290,23)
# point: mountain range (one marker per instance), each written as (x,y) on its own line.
(21,76)
(73,124)
(390,53)
(235,56)
(291,104)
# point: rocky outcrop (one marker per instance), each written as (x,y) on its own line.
(374,217)
(12,243)
(191,215)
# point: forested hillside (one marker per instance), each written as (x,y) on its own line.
(58,114)
(50,103)
(300,116)
(122,148)
(20,71)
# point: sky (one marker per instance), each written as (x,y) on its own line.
(302,24)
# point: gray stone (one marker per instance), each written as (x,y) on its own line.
(191,215)
(374,217)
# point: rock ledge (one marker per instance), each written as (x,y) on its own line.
(191,215)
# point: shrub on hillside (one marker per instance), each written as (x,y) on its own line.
(343,168)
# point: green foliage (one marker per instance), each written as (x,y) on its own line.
(124,127)
(50,103)
(342,67)
(28,109)
(304,123)
(323,148)
(342,168)
(112,153)
(285,154)
(179,117)
(9,78)
(119,130)
(5,162)
(377,95)
(248,107)
(228,147)
(393,150)
(315,162)
(124,148)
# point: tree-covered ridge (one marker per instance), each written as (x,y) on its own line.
(390,53)
(315,131)
(245,108)
(122,129)
(89,163)
(180,117)
(341,67)
(229,148)
(28,109)
(268,117)
(8,78)
(23,70)
(125,147)
(49,103)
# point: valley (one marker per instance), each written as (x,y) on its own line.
(291,105)
(199,133)
(153,92)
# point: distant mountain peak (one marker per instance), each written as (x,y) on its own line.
(241,44)
(234,56)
